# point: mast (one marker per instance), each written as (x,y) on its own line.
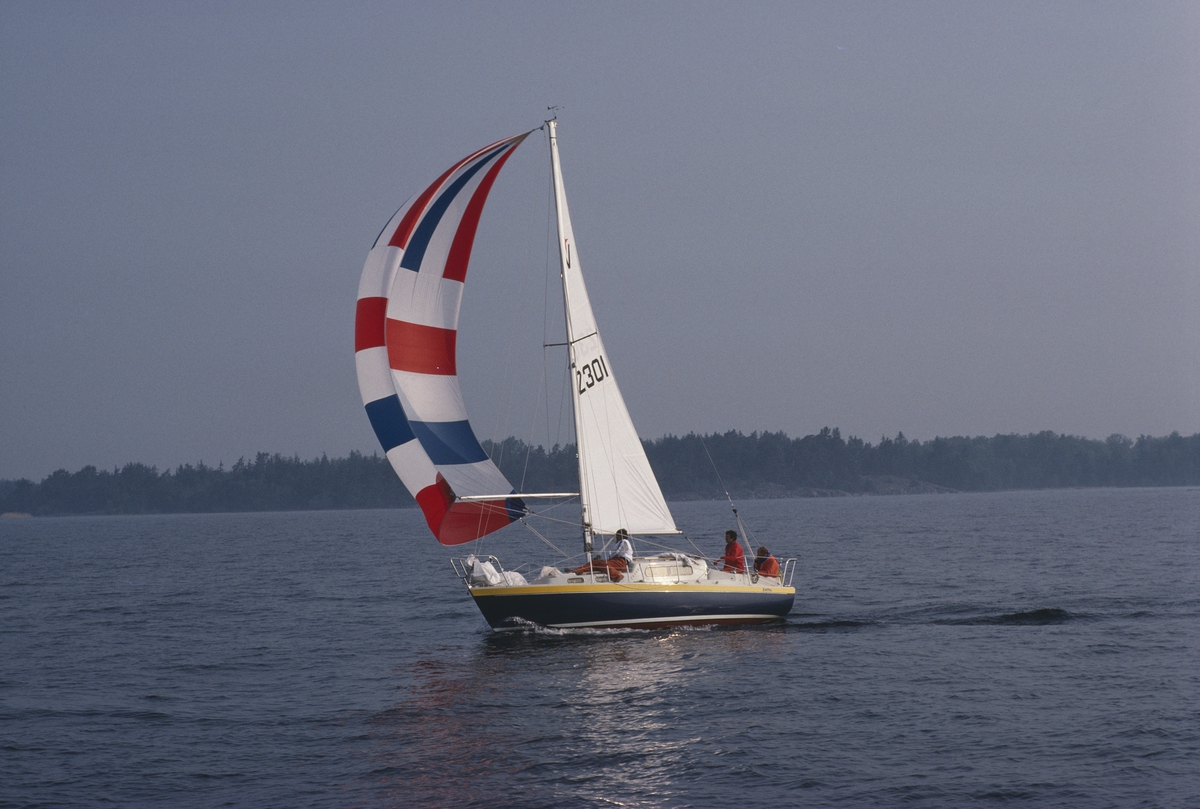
(565,236)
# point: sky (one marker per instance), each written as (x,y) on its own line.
(935,218)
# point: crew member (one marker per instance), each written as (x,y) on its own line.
(617,562)
(734,561)
(765,564)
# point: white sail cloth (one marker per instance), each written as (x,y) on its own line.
(617,487)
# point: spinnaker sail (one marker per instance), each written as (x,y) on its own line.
(405,334)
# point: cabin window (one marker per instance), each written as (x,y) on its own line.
(663,571)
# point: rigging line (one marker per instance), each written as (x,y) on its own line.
(643,541)
(546,280)
(533,425)
(545,511)
(743,534)
(537,534)
(544,514)
(527,263)
(701,554)
(503,419)
(542,386)
(546,324)
(566,394)
(717,471)
(563,398)
(574,523)
(551,281)
(694,545)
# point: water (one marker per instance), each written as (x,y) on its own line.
(1023,649)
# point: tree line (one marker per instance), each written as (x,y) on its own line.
(268,483)
(688,467)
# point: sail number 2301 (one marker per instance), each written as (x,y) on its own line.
(586,376)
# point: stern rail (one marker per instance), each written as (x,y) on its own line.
(789,570)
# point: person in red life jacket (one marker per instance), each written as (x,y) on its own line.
(765,564)
(617,562)
(734,561)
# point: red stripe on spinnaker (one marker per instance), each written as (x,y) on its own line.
(469,521)
(435,501)
(455,523)
(409,223)
(464,237)
(369,316)
(420,349)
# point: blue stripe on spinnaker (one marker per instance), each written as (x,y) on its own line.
(448,443)
(389,422)
(417,245)
(515,507)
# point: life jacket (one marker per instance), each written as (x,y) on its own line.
(768,566)
(735,560)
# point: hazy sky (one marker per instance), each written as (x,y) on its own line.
(941,218)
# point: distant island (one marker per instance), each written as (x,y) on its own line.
(758,465)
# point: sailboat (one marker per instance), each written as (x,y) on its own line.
(405,353)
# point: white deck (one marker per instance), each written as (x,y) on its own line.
(667,568)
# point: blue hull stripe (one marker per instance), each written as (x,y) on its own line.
(389,422)
(449,442)
(613,608)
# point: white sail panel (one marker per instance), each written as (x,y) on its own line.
(617,487)
(424,298)
(482,477)
(378,270)
(429,397)
(616,481)
(374,375)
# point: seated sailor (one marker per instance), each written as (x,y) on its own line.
(618,560)
(765,564)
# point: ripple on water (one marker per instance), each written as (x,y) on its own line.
(1024,649)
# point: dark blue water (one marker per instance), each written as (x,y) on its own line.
(1014,649)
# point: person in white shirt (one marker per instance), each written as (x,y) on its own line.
(619,560)
(623,548)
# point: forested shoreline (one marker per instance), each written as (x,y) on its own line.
(758,465)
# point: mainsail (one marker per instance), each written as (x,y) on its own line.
(617,487)
(405,333)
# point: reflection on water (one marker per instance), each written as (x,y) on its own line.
(607,721)
(446,736)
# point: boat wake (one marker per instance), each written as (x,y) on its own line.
(1044,617)
(828,625)
(1047,616)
